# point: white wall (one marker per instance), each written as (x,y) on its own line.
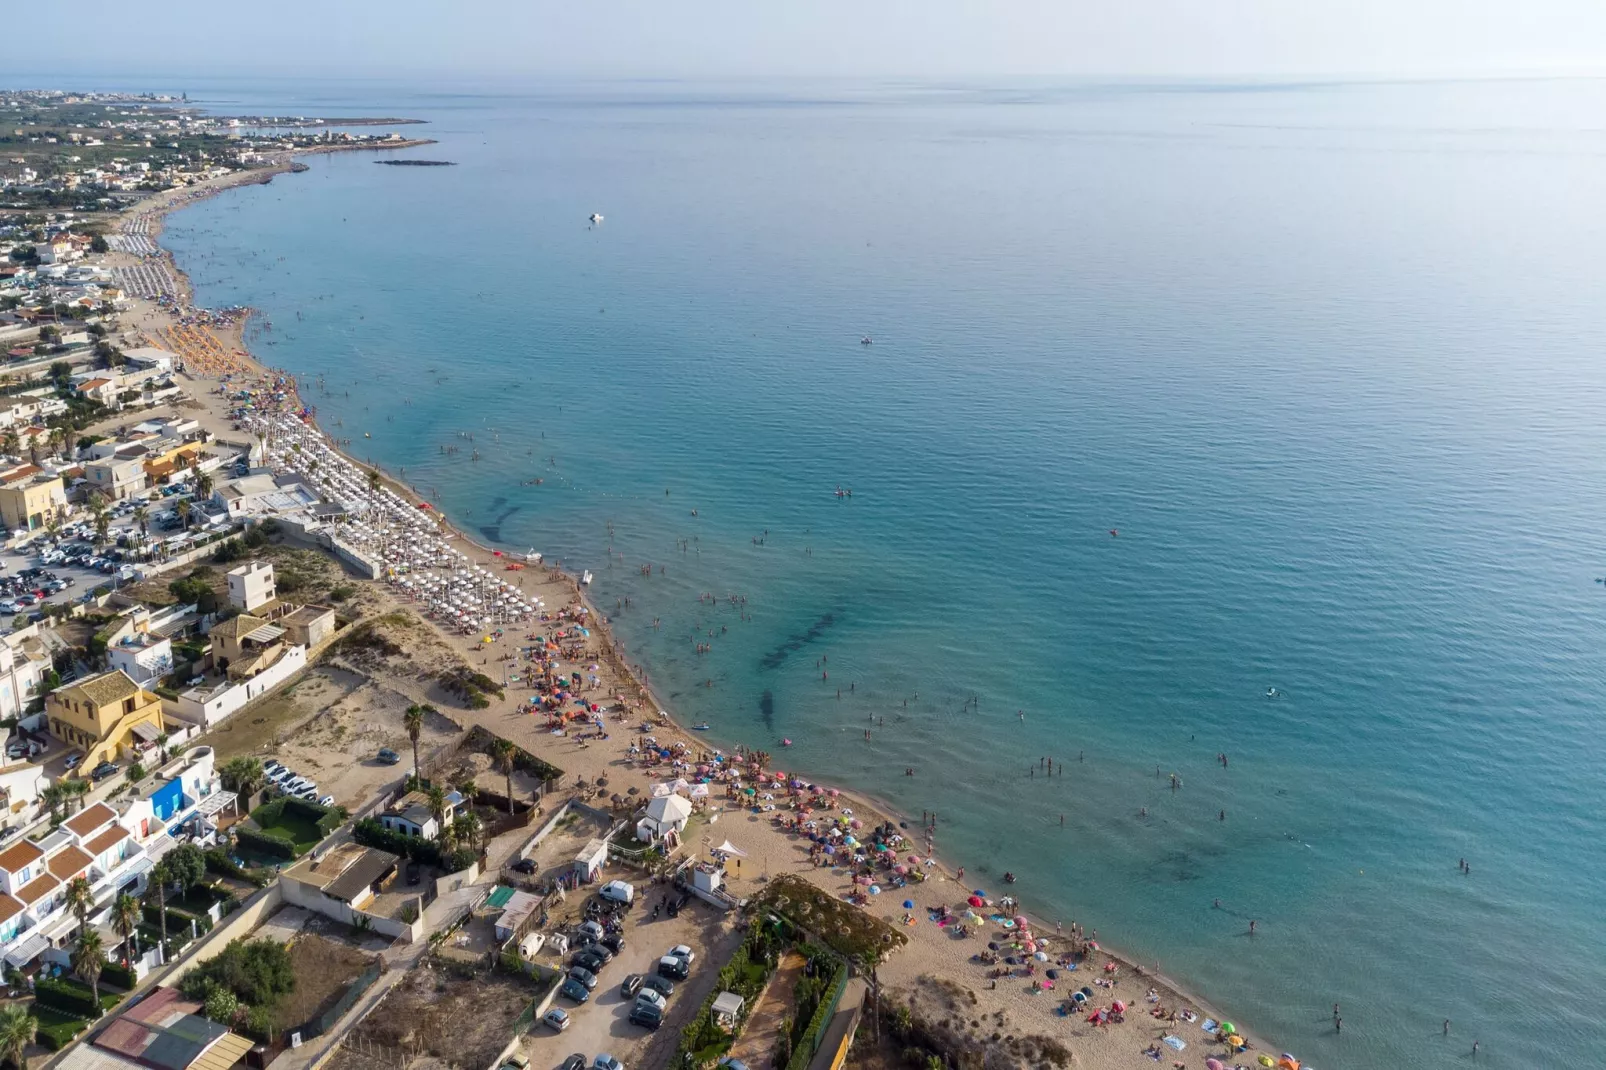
(230,700)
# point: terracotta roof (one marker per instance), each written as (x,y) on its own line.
(19,854)
(102,690)
(26,471)
(111,837)
(70,861)
(9,908)
(38,888)
(87,821)
(90,384)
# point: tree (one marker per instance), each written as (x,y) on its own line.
(242,774)
(18,1029)
(437,810)
(99,244)
(183,510)
(222,1005)
(9,443)
(142,517)
(467,828)
(504,751)
(162,739)
(374,479)
(203,484)
(413,720)
(79,898)
(57,439)
(187,865)
(88,959)
(125,919)
(54,796)
(161,876)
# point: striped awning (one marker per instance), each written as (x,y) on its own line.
(265,634)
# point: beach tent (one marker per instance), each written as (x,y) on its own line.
(730,848)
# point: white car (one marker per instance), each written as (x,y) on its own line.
(647,995)
(606,1062)
(557,1018)
(681,951)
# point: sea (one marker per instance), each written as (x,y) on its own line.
(1247,431)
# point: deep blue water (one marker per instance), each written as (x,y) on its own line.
(1328,356)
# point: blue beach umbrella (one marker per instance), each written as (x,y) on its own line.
(908,904)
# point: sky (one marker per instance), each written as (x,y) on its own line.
(535,39)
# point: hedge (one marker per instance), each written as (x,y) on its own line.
(370,833)
(808,1043)
(219,862)
(115,973)
(480,738)
(269,842)
(67,996)
(56,1028)
(177,920)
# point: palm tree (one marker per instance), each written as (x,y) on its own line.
(77,790)
(437,810)
(103,525)
(468,828)
(9,443)
(374,479)
(88,959)
(79,898)
(125,919)
(53,797)
(203,484)
(183,509)
(242,774)
(57,439)
(161,876)
(413,720)
(504,751)
(17,1030)
(161,745)
(142,517)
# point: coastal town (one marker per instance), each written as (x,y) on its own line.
(298,775)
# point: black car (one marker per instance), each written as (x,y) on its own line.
(614,943)
(103,770)
(632,985)
(583,975)
(574,1062)
(646,1014)
(661,985)
(587,961)
(524,865)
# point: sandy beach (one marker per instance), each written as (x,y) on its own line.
(936,970)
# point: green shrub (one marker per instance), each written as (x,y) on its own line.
(269,842)
(219,862)
(115,973)
(66,995)
(258,972)
(57,1028)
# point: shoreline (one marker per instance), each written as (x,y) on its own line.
(612,647)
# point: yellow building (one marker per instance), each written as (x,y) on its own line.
(109,716)
(29,498)
(162,465)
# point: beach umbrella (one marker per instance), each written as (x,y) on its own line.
(1214,1064)
(908,904)
(875,889)
(1041,957)
(973,891)
(1228,1028)
(633,791)
(1052,975)
(975,901)
(914,859)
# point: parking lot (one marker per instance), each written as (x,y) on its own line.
(602,1023)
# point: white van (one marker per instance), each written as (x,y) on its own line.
(618,891)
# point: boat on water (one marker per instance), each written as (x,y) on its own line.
(585,577)
(866,341)
(596,217)
(703,727)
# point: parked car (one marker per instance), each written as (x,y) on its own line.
(632,985)
(388,756)
(591,930)
(524,865)
(584,976)
(614,942)
(72,761)
(645,1014)
(574,990)
(557,1018)
(607,1062)
(574,1062)
(326,800)
(681,951)
(588,962)
(618,892)
(103,770)
(673,968)
(652,999)
(661,985)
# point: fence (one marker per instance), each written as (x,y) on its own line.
(320,1025)
(809,1043)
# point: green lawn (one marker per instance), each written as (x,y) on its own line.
(57,1028)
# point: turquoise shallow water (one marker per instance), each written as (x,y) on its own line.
(1327,356)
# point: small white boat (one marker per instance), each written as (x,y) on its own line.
(532,557)
(596,217)
(585,577)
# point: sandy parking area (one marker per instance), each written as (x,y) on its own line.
(602,1024)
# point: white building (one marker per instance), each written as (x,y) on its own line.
(665,815)
(23,664)
(34,917)
(144,656)
(251,586)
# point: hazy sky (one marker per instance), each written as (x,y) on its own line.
(921,38)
